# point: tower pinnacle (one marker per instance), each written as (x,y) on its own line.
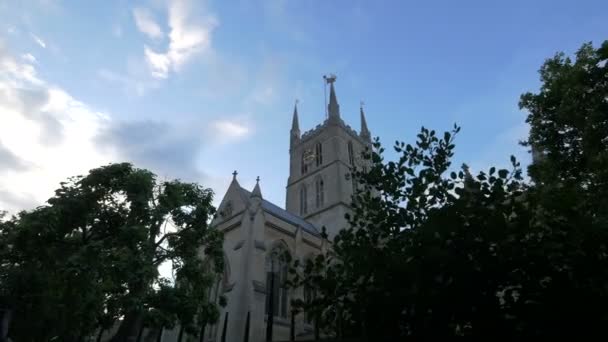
(295,124)
(333,108)
(365,134)
(295,127)
(256,190)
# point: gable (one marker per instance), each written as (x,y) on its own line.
(233,203)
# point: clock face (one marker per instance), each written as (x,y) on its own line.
(309,156)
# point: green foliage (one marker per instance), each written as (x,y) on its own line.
(92,255)
(568,118)
(435,255)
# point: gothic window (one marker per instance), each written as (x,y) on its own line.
(217,290)
(303,200)
(320,192)
(351,155)
(304,165)
(309,293)
(319,154)
(276,277)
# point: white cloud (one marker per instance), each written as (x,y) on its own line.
(144,20)
(160,64)
(28,57)
(34,111)
(187,37)
(225,131)
(38,40)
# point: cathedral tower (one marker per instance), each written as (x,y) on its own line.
(319,187)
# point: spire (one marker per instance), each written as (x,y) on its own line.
(364,130)
(295,128)
(295,125)
(333,108)
(256,191)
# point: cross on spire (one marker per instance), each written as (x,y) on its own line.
(234,174)
(257,180)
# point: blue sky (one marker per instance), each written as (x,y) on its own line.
(197,89)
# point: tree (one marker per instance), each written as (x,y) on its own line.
(437,256)
(568,120)
(42,279)
(92,254)
(486,255)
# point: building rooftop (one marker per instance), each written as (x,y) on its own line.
(285,215)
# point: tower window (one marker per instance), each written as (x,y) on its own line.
(303,200)
(351,156)
(319,153)
(320,192)
(304,164)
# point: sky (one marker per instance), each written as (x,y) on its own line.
(195,89)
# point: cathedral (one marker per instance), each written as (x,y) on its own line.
(257,232)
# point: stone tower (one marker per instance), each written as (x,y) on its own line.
(319,187)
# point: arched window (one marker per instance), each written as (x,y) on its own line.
(276,277)
(319,154)
(309,293)
(320,192)
(218,289)
(351,156)
(303,200)
(304,165)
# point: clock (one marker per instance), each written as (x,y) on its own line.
(309,156)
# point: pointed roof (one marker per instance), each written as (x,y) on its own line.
(295,124)
(364,130)
(333,108)
(256,190)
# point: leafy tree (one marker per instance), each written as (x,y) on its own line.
(432,255)
(568,120)
(92,254)
(43,279)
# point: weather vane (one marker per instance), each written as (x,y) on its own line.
(330,79)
